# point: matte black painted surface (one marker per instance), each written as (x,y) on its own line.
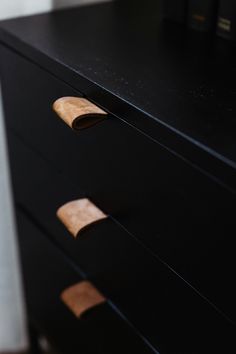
(47,273)
(173,190)
(155,300)
(166,81)
(178,213)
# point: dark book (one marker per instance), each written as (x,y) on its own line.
(175,10)
(226,23)
(202,14)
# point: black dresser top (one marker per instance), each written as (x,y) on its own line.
(176,85)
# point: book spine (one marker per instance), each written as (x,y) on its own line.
(226,22)
(202,14)
(174,10)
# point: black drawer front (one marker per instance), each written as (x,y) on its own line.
(154,299)
(180,214)
(47,273)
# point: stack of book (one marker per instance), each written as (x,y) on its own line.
(203,15)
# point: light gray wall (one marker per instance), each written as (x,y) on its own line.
(13,8)
(13,335)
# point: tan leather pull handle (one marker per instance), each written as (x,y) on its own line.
(78,112)
(81,297)
(79,214)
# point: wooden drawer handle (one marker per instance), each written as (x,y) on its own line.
(81,297)
(79,214)
(78,112)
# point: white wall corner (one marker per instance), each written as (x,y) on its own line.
(14,8)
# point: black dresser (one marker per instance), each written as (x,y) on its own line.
(161,165)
